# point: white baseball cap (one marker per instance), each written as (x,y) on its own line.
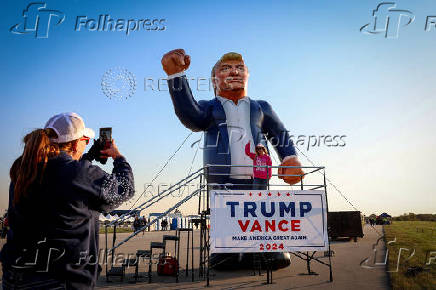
(68,126)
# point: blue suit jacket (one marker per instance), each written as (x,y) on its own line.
(209,116)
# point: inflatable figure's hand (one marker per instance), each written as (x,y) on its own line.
(293,161)
(175,61)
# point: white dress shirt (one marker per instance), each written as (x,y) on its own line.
(239,131)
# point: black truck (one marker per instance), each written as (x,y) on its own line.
(344,224)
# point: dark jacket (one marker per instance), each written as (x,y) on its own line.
(137,224)
(57,225)
(209,116)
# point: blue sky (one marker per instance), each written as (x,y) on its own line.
(307,58)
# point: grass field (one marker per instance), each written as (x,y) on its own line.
(417,238)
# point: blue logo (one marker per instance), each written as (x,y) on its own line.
(387,20)
(37,20)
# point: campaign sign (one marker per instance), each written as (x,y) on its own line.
(268,221)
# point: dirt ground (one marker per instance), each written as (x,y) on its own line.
(356,265)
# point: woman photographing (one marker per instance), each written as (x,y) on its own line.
(55,197)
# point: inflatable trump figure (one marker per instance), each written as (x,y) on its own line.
(230,121)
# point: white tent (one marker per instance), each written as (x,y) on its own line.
(101,218)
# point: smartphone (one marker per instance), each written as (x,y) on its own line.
(105,139)
(105,135)
(104,142)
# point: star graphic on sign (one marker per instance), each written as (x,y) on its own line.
(269,193)
(260,193)
(250,194)
(288,194)
(278,193)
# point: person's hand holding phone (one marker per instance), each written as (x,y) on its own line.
(112,151)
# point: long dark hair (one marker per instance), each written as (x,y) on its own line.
(30,166)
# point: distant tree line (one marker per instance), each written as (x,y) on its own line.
(416,217)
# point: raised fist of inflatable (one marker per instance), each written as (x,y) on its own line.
(175,61)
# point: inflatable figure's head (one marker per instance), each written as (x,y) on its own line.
(230,76)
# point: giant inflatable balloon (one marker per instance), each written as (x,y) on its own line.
(230,120)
